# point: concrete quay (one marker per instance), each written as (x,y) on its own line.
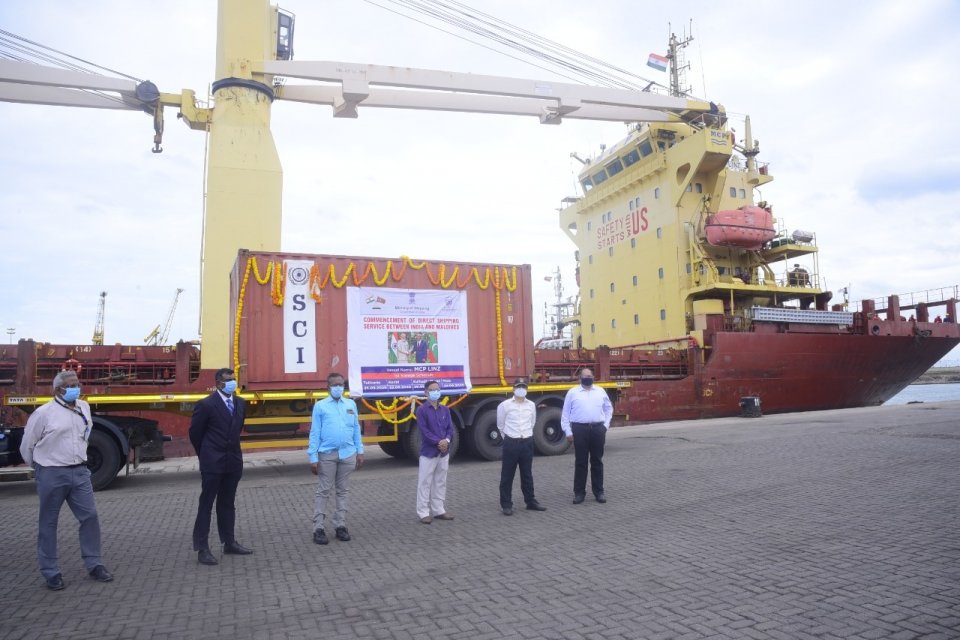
(833,524)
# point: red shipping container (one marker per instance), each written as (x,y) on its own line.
(295,318)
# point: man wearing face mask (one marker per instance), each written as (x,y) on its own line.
(515,420)
(55,445)
(215,434)
(334,451)
(586,416)
(436,434)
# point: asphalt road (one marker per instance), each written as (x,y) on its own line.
(837,524)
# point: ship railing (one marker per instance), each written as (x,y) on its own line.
(929,297)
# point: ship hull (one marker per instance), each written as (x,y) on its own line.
(788,372)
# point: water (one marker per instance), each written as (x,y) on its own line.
(927,393)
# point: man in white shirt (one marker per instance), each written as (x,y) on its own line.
(586,416)
(55,444)
(515,420)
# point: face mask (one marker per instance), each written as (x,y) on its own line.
(336,391)
(587,382)
(434,395)
(70,394)
(520,392)
(229,387)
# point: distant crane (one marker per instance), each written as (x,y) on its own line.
(98,327)
(159,336)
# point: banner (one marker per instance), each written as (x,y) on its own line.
(398,339)
(299,320)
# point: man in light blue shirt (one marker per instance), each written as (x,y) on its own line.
(335,450)
(586,416)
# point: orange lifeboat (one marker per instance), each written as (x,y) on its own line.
(744,228)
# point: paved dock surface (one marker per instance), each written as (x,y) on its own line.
(837,524)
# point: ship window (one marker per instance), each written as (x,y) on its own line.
(743,194)
(590,259)
(659,232)
(633,243)
(599,177)
(593,328)
(689,188)
(645,148)
(613,323)
(591,293)
(733,192)
(656,193)
(611,287)
(663,314)
(587,185)
(615,167)
(589,225)
(661,145)
(688,268)
(631,205)
(610,251)
(635,280)
(699,187)
(660,272)
(636,318)
(630,158)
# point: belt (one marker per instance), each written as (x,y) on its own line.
(74,466)
(586,424)
(520,439)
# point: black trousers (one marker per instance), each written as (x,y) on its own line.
(517,452)
(222,489)
(588,441)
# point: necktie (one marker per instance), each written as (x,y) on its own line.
(230,405)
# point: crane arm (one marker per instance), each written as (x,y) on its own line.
(411,88)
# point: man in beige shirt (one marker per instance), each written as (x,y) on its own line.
(515,420)
(55,444)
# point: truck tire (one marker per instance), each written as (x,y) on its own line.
(411,442)
(548,437)
(485,441)
(103,459)
(394,449)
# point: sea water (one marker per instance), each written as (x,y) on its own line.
(927,393)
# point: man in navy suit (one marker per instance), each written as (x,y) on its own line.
(215,434)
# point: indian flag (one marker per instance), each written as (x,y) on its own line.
(658,62)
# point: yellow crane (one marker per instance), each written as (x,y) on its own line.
(98,327)
(159,336)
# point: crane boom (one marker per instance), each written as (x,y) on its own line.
(166,325)
(98,327)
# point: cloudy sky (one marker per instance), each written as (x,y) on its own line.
(851,103)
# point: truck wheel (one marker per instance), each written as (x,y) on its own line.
(548,437)
(485,439)
(394,449)
(103,459)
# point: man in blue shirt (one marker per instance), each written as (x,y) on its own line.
(585,418)
(436,434)
(335,450)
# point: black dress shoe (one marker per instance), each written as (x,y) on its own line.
(578,497)
(205,557)
(100,574)
(536,506)
(342,534)
(236,549)
(320,537)
(601,498)
(507,511)
(55,583)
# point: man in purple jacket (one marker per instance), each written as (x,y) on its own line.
(436,434)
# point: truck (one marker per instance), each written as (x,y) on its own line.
(388,325)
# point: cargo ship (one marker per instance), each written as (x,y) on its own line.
(705,303)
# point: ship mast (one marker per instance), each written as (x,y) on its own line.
(678,64)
